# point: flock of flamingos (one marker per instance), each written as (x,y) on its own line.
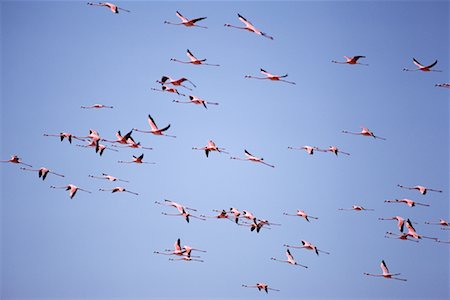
(244,217)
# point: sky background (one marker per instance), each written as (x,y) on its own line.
(57,56)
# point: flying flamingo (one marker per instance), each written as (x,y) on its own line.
(186,257)
(178,250)
(364,132)
(223,214)
(121,139)
(253,158)
(249,26)
(114,8)
(408,202)
(333,149)
(196,100)
(423,190)
(290,259)
(308,149)
(169,90)
(260,286)
(423,68)
(137,160)
(99,148)
(444,85)
(154,129)
(307,245)
(15,160)
(441,222)
(187,22)
(356,207)
(118,189)
(108,177)
(351,60)
(400,222)
(65,135)
(178,206)
(211,146)
(175,82)
(403,236)
(255,225)
(185,215)
(42,172)
(301,213)
(386,273)
(270,76)
(248,215)
(236,214)
(193,60)
(132,144)
(96,106)
(412,231)
(71,188)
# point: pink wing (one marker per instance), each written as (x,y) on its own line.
(384,267)
(183,19)
(152,123)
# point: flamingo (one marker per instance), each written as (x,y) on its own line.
(178,206)
(248,215)
(193,60)
(441,222)
(423,190)
(249,27)
(403,236)
(223,214)
(175,82)
(255,225)
(178,250)
(114,8)
(356,207)
(423,68)
(333,149)
(364,132)
(96,106)
(261,286)
(154,129)
(137,160)
(412,231)
(301,213)
(236,214)
(290,259)
(211,146)
(169,90)
(184,214)
(132,144)
(108,177)
(118,189)
(253,158)
(307,245)
(99,148)
(400,222)
(187,257)
(386,273)
(42,172)
(71,188)
(270,76)
(351,60)
(408,202)
(444,85)
(187,22)
(308,149)
(65,135)
(122,139)
(16,160)
(196,100)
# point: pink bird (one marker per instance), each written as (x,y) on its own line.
(181,209)
(290,259)
(96,106)
(333,149)
(423,68)
(185,215)
(175,82)
(122,139)
(42,172)
(223,214)
(154,129)
(169,90)
(255,225)
(193,60)
(364,132)
(412,231)
(178,250)
(408,202)
(236,214)
(249,27)
(261,286)
(308,246)
(137,160)
(253,158)
(441,222)
(71,188)
(444,85)
(197,100)
(351,60)
(386,273)
(99,148)
(114,8)
(186,22)
(132,144)
(356,207)
(65,135)
(403,236)
(302,214)
(108,177)
(400,222)
(211,146)
(118,189)
(15,160)
(308,149)
(270,76)
(423,190)
(186,257)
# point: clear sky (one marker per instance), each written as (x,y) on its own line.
(57,56)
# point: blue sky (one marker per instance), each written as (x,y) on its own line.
(57,56)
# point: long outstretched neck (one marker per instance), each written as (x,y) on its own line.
(183,62)
(238,27)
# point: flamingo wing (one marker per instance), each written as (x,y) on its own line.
(177,245)
(417,63)
(384,268)
(265,72)
(152,123)
(197,19)
(190,55)
(248,153)
(183,19)
(141,156)
(244,20)
(432,65)
(165,128)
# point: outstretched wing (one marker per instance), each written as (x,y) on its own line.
(244,20)
(190,55)
(432,65)
(417,63)
(152,123)
(165,128)
(265,72)
(247,153)
(384,268)
(197,19)
(183,19)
